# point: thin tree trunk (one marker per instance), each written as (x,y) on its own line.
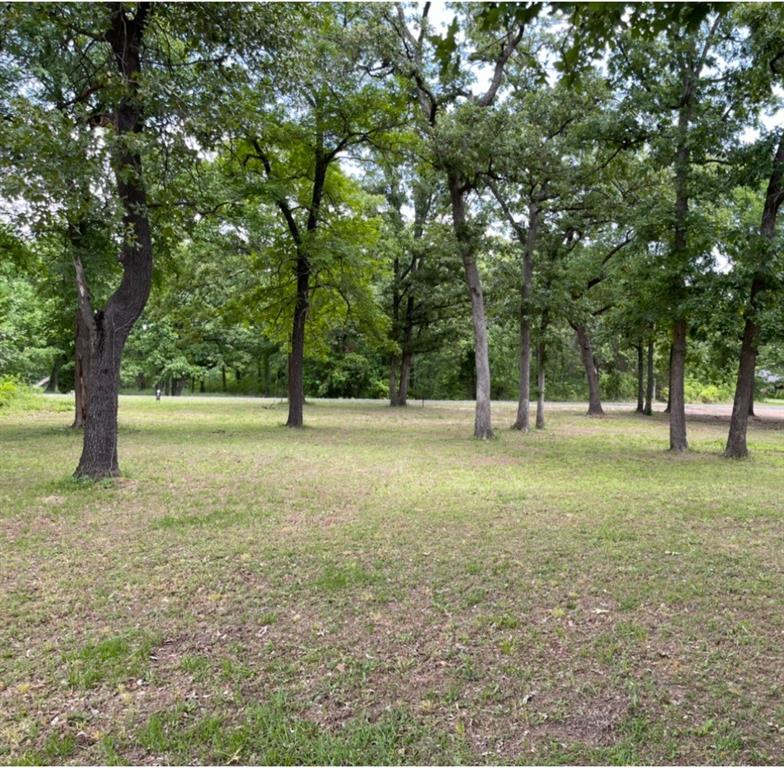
(405,377)
(677,405)
(394,363)
(743,403)
(483,428)
(678,441)
(640,380)
(108,330)
(81,365)
(648,410)
(523,418)
(223,378)
(53,385)
(586,354)
(405,362)
(669,383)
(540,382)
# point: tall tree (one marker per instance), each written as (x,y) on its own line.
(449,112)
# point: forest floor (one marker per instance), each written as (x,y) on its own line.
(380,588)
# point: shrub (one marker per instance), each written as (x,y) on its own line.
(14,395)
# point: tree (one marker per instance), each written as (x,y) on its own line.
(335,106)
(449,117)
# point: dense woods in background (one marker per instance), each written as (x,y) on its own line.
(392,200)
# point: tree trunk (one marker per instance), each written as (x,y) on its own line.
(669,384)
(540,381)
(678,440)
(648,410)
(677,405)
(743,404)
(482,417)
(81,366)
(393,388)
(405,377)
(223,378)
(744,388)
(201,386)
(99,452)
(54,377)
(297,355)
(640,380)
(586,354)
(523,418)
(108,330)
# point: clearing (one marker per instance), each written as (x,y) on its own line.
(380,588)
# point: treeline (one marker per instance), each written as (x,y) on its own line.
(498,200)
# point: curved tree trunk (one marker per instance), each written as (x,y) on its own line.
(743,404)
(483,428)
(744,388)
(649,389)
(109,329)
(586,354)
(678,441)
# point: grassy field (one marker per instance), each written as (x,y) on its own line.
(379,588)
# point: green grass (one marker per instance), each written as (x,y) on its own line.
(380,588)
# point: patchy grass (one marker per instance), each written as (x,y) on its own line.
(379,588)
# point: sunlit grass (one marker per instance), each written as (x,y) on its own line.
(379,587)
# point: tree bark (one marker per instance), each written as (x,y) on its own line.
(586,354)
(81,366)
(668,408)
(678,441)
(297,356)
(540,382)
(648,409)
(640,380)
(405,377)
(523,418)
(483,428)
(394,362)
(743,403)
(302,303)
(109,329)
